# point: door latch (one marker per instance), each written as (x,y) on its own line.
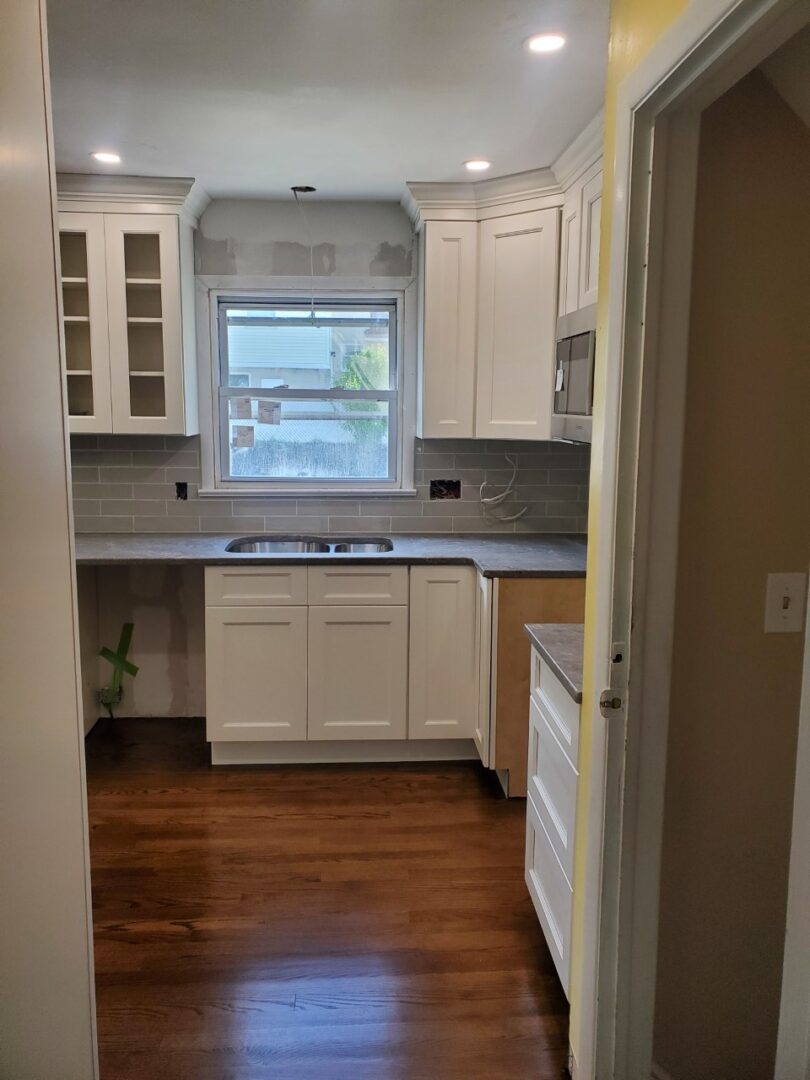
(609,702)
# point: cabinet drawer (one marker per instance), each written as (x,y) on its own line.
(553,788)
(550,892)
(255,585)
(557,705)
(358,585)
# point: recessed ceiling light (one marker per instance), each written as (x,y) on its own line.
(477,164)
(545,43)
(108,157)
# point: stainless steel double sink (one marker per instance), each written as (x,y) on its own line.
(280,545)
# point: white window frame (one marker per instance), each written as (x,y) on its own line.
(210,291)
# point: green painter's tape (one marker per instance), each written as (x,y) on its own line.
(119,662)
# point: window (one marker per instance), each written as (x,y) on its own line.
(309,394)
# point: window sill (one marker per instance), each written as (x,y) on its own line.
(297,493)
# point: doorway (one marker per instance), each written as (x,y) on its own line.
(712,499)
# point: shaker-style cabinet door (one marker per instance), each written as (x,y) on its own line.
(589,242)
(84,307)
(517,323)
(449,252)
(256,673)
(146,332)
(568,299)
(443,694)
(358,672)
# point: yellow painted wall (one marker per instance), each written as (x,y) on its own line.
(635,26)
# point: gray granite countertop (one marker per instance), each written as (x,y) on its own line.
(560,645)
(505,555)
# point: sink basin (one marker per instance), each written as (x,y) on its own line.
(270,545)
(361,545)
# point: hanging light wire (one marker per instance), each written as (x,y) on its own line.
(297,190)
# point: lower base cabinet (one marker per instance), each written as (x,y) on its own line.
(443,696)
(358,672)
(256,673)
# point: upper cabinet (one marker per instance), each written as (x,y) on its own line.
(517,318)
(500,261)
(579,242)
(128,303)
(449,266)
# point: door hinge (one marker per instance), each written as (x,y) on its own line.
(609,702)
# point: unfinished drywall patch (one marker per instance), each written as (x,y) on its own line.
(254,237)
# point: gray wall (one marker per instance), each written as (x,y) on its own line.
(126,484)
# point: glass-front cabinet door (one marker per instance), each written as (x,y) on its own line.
(84,305)
(145,331)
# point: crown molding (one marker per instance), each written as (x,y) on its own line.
(579,155)
(479,199)
(180,195)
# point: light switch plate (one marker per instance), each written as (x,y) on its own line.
(784,603)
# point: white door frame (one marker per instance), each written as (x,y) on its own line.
(707,50)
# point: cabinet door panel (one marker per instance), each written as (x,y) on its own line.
(146,339)
(483,665)
(86,336)
(443,693)
(447,375)
(569,253)
(245,586)
(350,585)
(553,788)
(358,672)
(517,321)
(256,673)
(589,252)
(550,892)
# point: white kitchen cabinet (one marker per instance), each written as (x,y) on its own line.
(148,368)
(84,307)
(256,585)
(128,300)
(443,690)
(579,242)
(352,585)
(449,262)
(551,894)
(589,240)
(517,319)
(551,806)
(568,298)
(256,673)
(358,672)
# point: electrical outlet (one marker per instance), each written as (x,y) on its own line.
(445,489)
(784,603)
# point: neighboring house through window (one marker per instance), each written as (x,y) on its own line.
(309,394)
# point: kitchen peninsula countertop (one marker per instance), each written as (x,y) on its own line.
(560,645)
(502,555)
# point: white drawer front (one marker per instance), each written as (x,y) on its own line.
(553,787)
(550,892)
(259,585)
(558,707)
(358,585)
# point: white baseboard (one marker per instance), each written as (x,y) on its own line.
(344,752)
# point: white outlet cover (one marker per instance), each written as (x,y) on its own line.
(785,603)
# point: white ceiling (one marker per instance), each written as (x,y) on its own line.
(352,96)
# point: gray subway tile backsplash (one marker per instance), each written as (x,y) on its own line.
(127,484)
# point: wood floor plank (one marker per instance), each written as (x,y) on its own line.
(311,923)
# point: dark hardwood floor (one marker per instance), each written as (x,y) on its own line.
(310,923)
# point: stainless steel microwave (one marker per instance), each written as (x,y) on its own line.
(573,377)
